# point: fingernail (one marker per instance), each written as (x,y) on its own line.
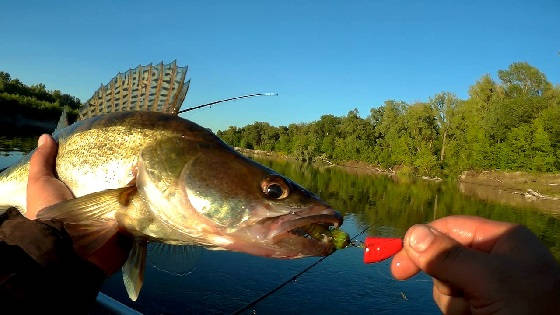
(420,237)
(42,140)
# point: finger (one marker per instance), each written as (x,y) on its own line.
(443,258)
(450,304)
(523,245)
(473,232)
(43,159)
(509,239)
(469,231)
(402,267)
(446,288)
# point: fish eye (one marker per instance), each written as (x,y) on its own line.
(275,187)
(274,191)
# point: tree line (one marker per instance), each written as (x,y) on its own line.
(510,124)
(34,101)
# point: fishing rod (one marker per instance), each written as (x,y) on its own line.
(353,243)
(227,100)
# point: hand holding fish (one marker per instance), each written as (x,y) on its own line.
(481,266)
(44,190)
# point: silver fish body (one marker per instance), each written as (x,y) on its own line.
(192,188)
(157,177)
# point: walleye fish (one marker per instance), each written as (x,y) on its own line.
(137,168)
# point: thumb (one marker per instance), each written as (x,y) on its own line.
(448,261)
(43,189)
(43,159)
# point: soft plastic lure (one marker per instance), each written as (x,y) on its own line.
(380,248)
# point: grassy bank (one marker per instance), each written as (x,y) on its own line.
(533,185)
(520,189)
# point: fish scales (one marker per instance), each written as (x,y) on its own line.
(156,177)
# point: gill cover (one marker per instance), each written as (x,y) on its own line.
(204,176)
(220,186)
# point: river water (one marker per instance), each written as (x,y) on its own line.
(223,282)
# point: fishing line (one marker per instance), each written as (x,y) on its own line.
(173,273)
(226,100)
(294,278)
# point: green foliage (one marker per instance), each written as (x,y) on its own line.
(511,124)
(522,79)
(543,158)
(34,101)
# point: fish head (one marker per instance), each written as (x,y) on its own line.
(228,201)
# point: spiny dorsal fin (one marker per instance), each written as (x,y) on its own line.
(159,88)
(63,120)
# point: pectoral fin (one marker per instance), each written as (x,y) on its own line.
(95,206)
(133,269)
(176,260)
(87,219)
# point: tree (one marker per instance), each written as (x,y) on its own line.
(391,146)
(421,133)
(522,79)
(232,136)
(550,118)
(4,80)
(543,157)
(444,104)
(485,92)
(34,102)
(515,153)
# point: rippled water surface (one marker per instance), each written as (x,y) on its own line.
(223,282)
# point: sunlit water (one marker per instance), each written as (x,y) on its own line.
(223,282)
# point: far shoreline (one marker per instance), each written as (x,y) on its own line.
(516,188)
(14,124)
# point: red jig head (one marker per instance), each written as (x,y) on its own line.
(380,248)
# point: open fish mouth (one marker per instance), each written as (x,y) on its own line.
(307,232)
(308,227)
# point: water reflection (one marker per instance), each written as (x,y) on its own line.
(17,144)
(223,282)
(391,207)
(12,149)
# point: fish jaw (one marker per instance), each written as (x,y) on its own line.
(282,236)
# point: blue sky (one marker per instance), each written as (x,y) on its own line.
(322,57)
